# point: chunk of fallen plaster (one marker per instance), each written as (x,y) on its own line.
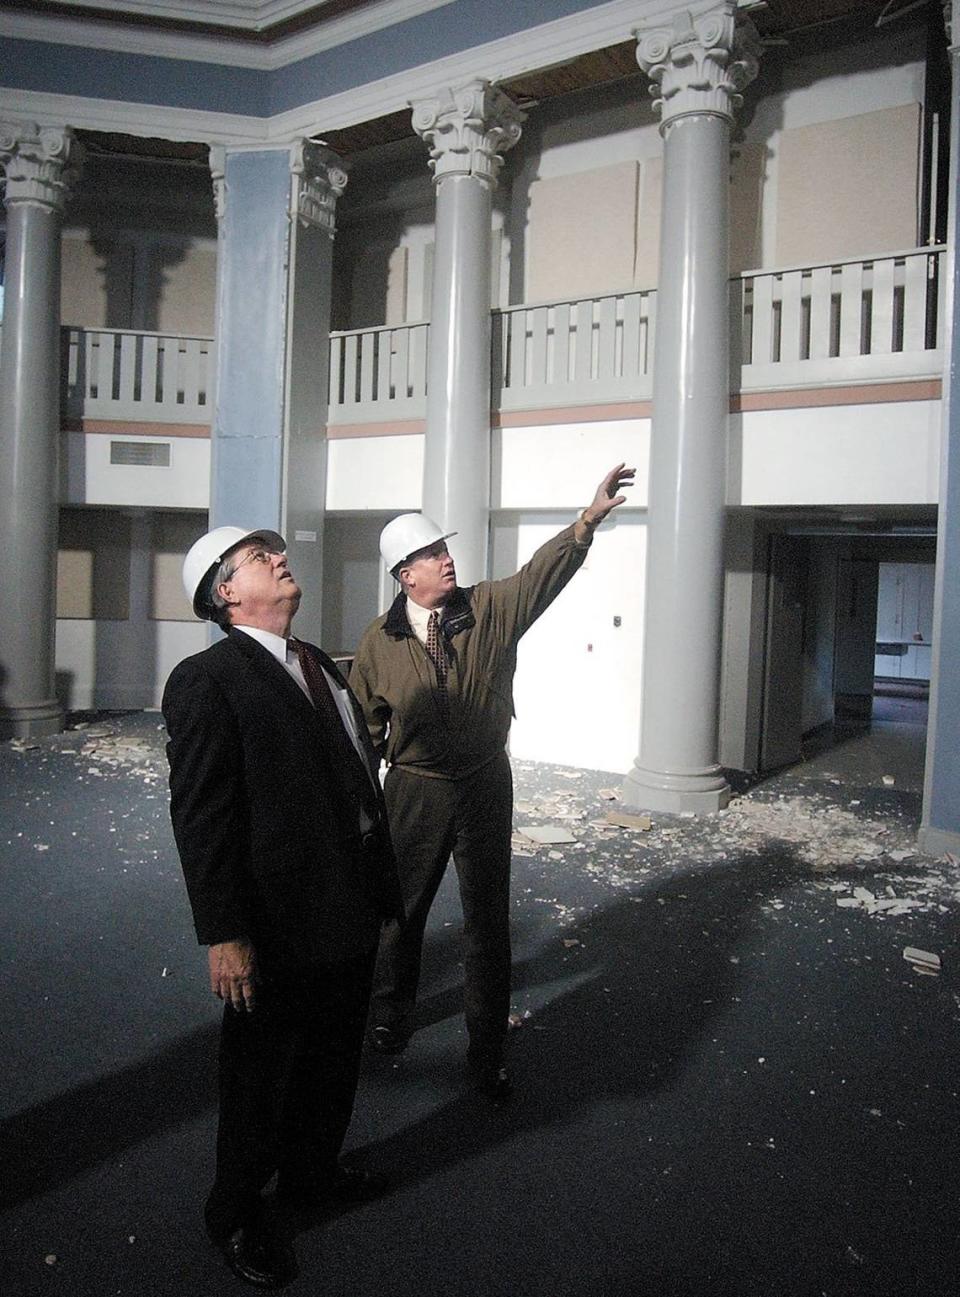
(546,833)
(923,960)
(624,820)
(609,795)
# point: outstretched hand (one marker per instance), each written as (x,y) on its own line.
(608,494)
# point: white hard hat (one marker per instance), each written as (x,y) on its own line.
(406,534)
(206,554)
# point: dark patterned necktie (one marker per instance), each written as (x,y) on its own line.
(438,656)
(351,768)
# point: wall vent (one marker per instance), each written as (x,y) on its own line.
(140,454)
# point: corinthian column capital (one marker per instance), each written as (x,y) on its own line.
(701,63)
(466,129)
(321,178)
(41,163)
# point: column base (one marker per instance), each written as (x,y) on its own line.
(31,722)
(704,792)
(937,842)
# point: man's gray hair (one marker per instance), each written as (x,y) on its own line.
(220,608)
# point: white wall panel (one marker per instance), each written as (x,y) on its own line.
(384,473)
(559,467)
(855,454)
(90,478)
(577,688)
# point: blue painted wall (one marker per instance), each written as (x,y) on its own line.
(173,83)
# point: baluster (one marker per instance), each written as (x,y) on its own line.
(851,309)
(128,369)
(518,349)
(367,344)
(791,318)
(915,303)
(631,335)
(350,370)
(584,341)
(561,343)
(336,378)
(384,357)
(189,386)
(607,338)
(538,346)
(761,351)
(881,308)
(820,286)
(402,384)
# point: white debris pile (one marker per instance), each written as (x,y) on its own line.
(823,835)
(110,750)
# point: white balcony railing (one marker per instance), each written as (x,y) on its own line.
(148,377)
(378,373)
(842,322)
(876,319)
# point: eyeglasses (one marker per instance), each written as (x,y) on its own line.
(262,554)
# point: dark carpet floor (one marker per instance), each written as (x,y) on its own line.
(730,1080)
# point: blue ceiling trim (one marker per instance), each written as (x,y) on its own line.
(213,87)
(132,78)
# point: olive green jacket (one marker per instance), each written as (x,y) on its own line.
(395,680)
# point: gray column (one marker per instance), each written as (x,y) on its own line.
(697,66)
(466,129)
(40,165)
(276,211)
(940,817)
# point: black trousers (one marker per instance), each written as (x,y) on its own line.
(430,819)
(288,1077)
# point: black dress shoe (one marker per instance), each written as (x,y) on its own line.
(256,1258)
(388,1040)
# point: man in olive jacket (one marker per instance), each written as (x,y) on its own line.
(434,677)
(281,829)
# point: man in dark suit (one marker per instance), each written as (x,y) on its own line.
(280,825)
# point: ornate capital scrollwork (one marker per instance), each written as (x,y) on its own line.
(42,163)
(321,179)
(218,173)
(466,129)
(701,63)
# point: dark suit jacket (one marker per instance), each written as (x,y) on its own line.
(269,842)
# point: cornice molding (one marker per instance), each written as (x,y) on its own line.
(101,34)
(553,42)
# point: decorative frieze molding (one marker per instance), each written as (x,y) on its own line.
(466,129)
(320,179)
(701,63)
(42,163)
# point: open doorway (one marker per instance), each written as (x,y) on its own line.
(847,636)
